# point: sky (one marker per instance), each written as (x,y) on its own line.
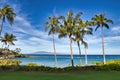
(31,15)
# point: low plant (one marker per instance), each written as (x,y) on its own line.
(32,64)
(10,62)
(107,63)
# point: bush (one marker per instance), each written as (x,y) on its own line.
(32,64)
(114,62)
(10,62)
(108,62)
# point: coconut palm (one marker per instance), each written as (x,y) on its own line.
(66,29)
(11,39)
(6,13)
(79,32)
(4,39)
(52,26)
(8,39)
(102,22)
(4,42)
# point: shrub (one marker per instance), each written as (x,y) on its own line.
(32,64)
(113,62)
(10,62)
(108,62)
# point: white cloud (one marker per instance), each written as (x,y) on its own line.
(116,29)
(22,21)
(106,40)
(112,39)
(42,42)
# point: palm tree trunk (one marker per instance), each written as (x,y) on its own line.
(2,45)
(79,52)
(8,49)
(104,59)
(1,27)
(71,52)
(86,61)
(56,62)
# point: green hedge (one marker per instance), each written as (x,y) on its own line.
(14,65)
(111,67)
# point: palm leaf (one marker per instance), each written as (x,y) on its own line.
(110,21)
(106,25)
(85,44)
(97,27)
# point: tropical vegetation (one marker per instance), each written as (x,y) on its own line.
(76,29)
(101,21)
(71,26)
(52,26)
(6,13)
(67,26)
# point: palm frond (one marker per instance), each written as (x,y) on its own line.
(110,21)
(85,44)
(106,25)
(97,27)
(61,35)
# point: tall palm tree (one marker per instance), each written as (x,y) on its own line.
(79,32)
(52,26)
(101,21)
(66,29)
(6,13)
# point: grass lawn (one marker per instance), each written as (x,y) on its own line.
(60,76)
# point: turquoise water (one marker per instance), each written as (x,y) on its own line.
(64,60)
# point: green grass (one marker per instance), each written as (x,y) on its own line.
(60,76)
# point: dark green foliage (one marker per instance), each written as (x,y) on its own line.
(111,67)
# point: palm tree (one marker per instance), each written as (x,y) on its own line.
(79,32)
(52,26)
(101,21)
(11,39)
(6,13)
(66,29)
(8,39)
(4,39)
(85,47)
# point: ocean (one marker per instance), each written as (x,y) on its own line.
(64,60)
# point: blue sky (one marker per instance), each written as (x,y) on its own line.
(32,14)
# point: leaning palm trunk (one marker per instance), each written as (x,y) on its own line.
(71,52)
(86,61)
(80,53)
(56,62)
(104,59)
